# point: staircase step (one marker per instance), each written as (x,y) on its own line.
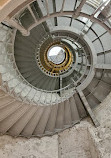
(8,122)
(29,73)
(74,111)
(24,54)
(9,109)
(52,120)
(80,106)
(27,69)
(46,85)
(60,117)
(17,128)
(6,99)
(37,79)
(34,79)
(44,80)
(23,41)
(26,59)
(40,129)
(30,127)
(25,64)
(67,114)
(53,84)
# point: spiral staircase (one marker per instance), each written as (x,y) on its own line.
(55,65)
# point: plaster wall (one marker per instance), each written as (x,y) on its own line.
(46,147)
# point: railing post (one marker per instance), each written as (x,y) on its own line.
(78,10)
(16,25)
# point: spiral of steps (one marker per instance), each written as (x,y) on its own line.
(43,94)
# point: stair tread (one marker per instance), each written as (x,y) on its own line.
(30,127)
(52,119)
(74,111)
(10,120)
(9,109)
(5,100)
(40,129)
(20,124)
(60,117)
(80,106)
(67,113)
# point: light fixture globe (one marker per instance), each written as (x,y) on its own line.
(56,54)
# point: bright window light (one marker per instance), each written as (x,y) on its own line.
(56,54)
